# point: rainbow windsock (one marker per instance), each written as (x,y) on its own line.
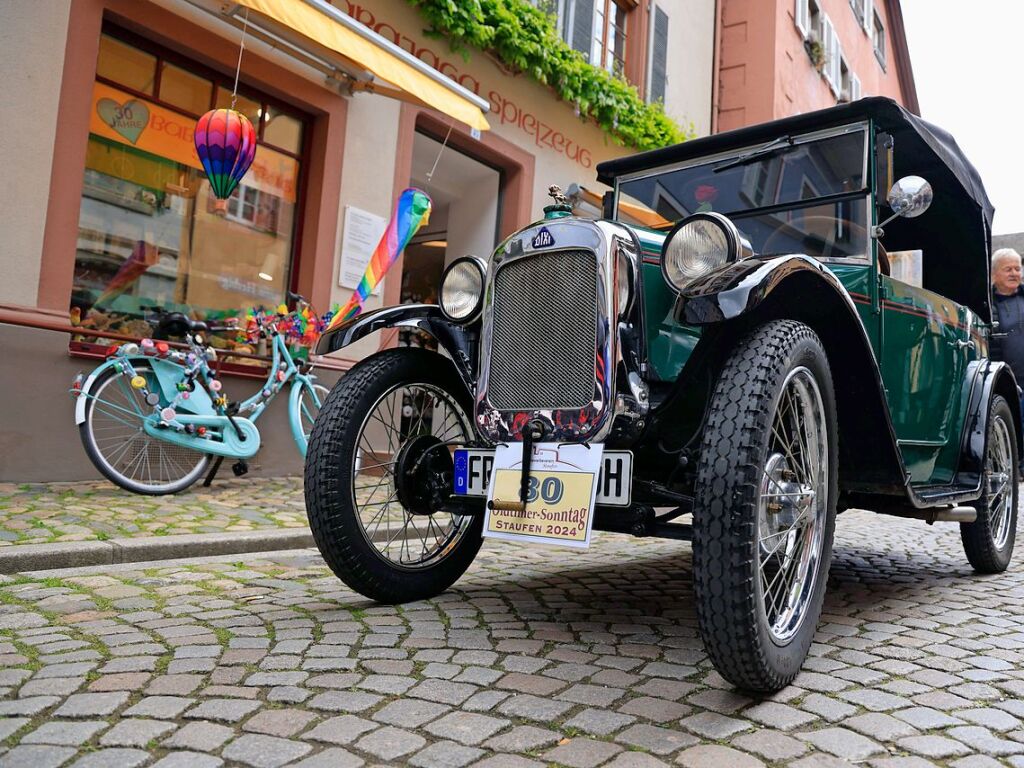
(412,211)
(144,255)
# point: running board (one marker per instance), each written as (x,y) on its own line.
(935,514)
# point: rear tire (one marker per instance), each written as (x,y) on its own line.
(765,505)
(989,540)
(121,450)
(375,543)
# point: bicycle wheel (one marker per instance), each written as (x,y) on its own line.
(304,405)
(121,450)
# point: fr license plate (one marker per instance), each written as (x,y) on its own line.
(473,474)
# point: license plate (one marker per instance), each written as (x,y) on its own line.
(614,484)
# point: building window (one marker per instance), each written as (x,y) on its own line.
(832,69)
(608,50)
(878,39)
(596,28)
(148,232)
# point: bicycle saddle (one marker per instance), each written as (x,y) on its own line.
(177,324)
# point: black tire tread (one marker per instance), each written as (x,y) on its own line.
(728,482)
(978,541)
(327,489)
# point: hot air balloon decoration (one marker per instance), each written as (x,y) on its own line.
(226,144)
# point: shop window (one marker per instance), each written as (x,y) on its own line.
(250,107)
(149,234)
(282,130)
(127,65)
(182,89)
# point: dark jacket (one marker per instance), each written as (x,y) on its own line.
(1008,341)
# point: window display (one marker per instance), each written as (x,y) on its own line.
(149,233)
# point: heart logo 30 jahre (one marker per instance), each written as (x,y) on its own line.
(129,119)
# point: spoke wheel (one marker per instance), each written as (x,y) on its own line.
(988,541)
(405,533)
(791,512)
(764,505)
(117,445)
(378,473)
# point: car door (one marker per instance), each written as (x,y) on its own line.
(925,349)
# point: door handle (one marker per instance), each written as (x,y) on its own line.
(961,344)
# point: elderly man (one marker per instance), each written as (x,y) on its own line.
(1009,309)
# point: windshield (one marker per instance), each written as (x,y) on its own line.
(799,194)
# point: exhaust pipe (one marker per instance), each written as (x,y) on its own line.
(954,515)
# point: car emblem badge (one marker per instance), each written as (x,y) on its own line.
(543,239)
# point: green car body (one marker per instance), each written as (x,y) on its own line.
(773,329)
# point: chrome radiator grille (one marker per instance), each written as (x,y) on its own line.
(544,333)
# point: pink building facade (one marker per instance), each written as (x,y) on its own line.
(784,57)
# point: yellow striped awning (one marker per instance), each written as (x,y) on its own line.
(329,28)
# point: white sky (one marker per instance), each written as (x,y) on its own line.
(967,66)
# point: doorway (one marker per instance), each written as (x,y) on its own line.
(466,198)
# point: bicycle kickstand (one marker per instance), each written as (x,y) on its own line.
(213,472)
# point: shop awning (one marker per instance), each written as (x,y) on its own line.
(320,33)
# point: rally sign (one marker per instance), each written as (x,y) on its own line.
(560,495)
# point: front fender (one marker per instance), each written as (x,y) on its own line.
(87,385)
(988,378)
(459,341)
(740,287)
(797,287)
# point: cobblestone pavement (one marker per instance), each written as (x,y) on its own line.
(38,513)
(537,656)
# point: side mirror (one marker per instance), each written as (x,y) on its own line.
(909,197)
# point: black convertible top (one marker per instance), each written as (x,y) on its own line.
(955,233)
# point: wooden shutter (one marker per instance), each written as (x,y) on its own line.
(659,55)
(582,38)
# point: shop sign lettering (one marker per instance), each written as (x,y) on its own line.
(510,112)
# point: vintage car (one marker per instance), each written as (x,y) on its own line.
(763,330)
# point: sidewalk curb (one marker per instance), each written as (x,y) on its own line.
(75,554)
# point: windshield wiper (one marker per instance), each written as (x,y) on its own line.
(781,143)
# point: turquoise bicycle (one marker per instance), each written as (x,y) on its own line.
(154,419)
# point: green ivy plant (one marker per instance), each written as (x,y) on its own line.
(524,38)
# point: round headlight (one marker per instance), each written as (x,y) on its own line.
(699,244)
(462,289)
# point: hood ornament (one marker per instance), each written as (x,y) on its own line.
(556,194)
(562,205)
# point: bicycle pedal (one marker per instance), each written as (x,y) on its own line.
(240,468)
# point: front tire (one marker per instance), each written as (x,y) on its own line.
(381,534)
(765,505)
(988,541)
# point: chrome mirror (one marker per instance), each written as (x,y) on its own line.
(910,197)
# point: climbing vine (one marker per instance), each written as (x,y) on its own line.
(524,38)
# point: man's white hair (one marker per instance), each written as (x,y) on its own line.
(1003,254)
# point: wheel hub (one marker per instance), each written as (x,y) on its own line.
(788,498)
(423,475)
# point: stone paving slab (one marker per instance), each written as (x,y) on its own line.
(49,513)
(537,656)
